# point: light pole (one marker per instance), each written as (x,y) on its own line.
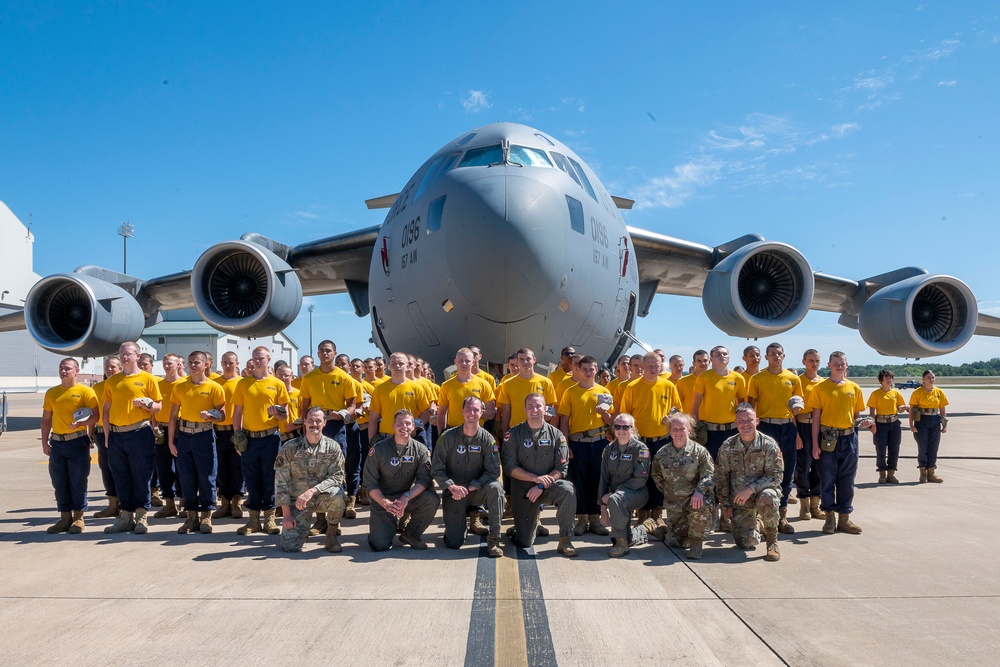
(125,230)
(311,309)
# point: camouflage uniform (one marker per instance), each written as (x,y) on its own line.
(679,473)
(463,460)
(299,467)
(624,473)
(393,470)
(757,465)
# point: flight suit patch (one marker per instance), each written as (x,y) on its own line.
(394,461)
(475,448)
(407,459)
(626,457)
(545,442)
(460,449)
(614,456)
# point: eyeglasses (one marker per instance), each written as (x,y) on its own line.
(622,427)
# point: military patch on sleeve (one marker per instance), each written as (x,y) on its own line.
(506,436)
(279,462)
(644,454)
(495,449)
(371,452)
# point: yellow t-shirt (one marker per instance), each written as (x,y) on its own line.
(838,403)
(453,394)
(514,390)
(294,403)
(649,403)
(615,388)
(886,403)
(167,404)
(330,391)
(490,380)
(297,382)
(379,380)
(228,389)
(389,398)
(366,396)
(120,390)
(720,394)
(580,405)
(563,385)
(807,387)
(193,398)
(772,393)
(99,392)
(921,398)
(62,402)
(430,388)
(557,376)
(685,388)
(255,397)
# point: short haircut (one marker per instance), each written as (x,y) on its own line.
(280,363)
(196,353)
(838,355)
(699,353)
(327,342)
(810,351)
(587,360)
(885,373)
(312,409)
(75,362)
(775,346)
(718,348)
(473,398)
(401,413)
(750,348)
(745,408)
(533,395)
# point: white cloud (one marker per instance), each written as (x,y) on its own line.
(949,83)
(475,101)
(843,129)
(673,190)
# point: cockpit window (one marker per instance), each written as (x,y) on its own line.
(482,157)
(529,157)
(583,179)
(573,168)
(439,166)
(564,164)
(466,139)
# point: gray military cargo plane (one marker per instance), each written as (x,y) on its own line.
(503,238)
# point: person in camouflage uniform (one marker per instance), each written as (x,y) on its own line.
(309,473)
(622,486)
(748,482)
(685,474)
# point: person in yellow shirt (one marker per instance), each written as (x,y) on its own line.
(565,367)
(332,389)
(685,386)
(380,375)
(836,405)
(229,477)
(455,390)
(807,481)
(511,370)
(130,400)
(769,393)
(675,364)
(510,398)
(717,392)
(292,426)
(306,366)
(621,379)
(584,413)
(483,373)
(260,404)
(751,357)
(397,393)
(112,366)
(65,442)
(363,415)
(570,380)
(929,425)
(167,470)
(884,406)
(197,403)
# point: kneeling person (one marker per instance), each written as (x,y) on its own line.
(309,473)
(622,486)
(466,466)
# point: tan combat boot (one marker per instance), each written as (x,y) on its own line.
(653,531)
(476,526)
(236,507)
(932,476)
(792,500)
(252,526)
(694,551)
(804,511)
(190,525)
(122,524)
(182,512)
(566,547)
(596,527)
(319,526)
(77,526)
(141,523)
(814,509)
(581,525)
(332,543)
(845,525)
(62,525)
(923,475)
(783,525)
(155,499)
(109,511)
(349,511)
(619,549)
(656,515)
(206,523)
(363,497)
(493,549)
(772,549)
(830,526)
(169,509)
(270,527)
(890,477)
(881,477)
(222,510)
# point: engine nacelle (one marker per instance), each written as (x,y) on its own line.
(922,316)
(761,289)
(77,314)
(244,289)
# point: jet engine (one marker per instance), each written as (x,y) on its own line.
(760,289)
(921,316)
(78,314)
(242,288)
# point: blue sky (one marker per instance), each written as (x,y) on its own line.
(866,135)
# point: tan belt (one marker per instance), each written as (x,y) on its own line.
(841,432)
(131,427)
(194,427)
(98,430)
(257,435)
(712,426)
(804,417)
(587,436)
(930,411)
(223,427)
(285,437)
(776,420)
(886,419)
(66,437)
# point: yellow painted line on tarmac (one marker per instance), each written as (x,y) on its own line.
(511,645)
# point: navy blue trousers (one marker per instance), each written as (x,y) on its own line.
(196,460)
(784,435)
(131,457)
(837,470)
(258,471)
(69,468)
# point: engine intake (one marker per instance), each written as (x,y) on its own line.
(760,289)
(242,288)
(74,313)
(922,316)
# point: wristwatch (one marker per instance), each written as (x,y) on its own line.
(408,495)
(541,486)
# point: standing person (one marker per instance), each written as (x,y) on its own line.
(537,457)
(395,394)
(167,470)
(398,479)
(622,488)
(292,426)
(676,366)
(130,400)
(885,404)
(510,398)
(650,399)
(807,481)
(929,420)
(584,414)
(751,357)
(570,380)
(466,465)
(769,393)
(836,404)
(455,390)
(68,410)
(748,474)
(565,367)
(112,366)
(306,365)
(685,386)
(309,475)
(197,403)
(622,378)
(380,375)
(481,372)
(685,475)
(260,403)
(362,414)
(229,476)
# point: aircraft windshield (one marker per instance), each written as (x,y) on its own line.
(482,157)
(529,157)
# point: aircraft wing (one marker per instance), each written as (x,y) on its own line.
(12,321)
(988,325)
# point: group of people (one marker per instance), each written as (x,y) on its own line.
(652,454)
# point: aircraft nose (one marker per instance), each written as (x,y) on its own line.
(506,241)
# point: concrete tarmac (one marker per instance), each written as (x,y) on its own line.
(920,586)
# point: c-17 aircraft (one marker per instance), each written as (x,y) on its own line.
(560,267)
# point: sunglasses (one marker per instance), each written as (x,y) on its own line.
(622,427)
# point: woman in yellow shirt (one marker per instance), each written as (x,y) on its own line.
(928,425)
(884,405)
